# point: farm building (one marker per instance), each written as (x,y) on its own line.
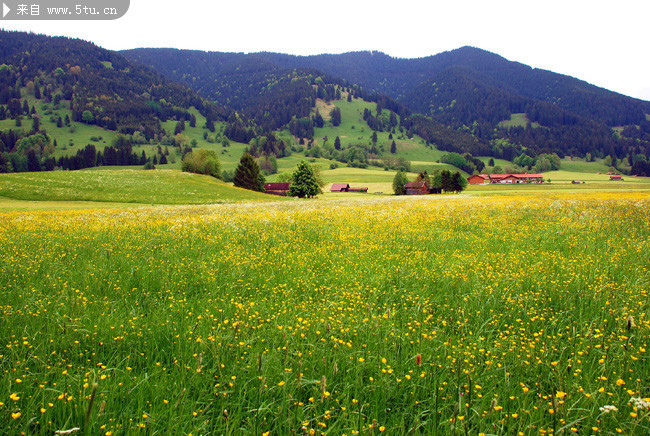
(615,177)
(417,188)
(281,189)
(480,179)
(340,187)
(345,187)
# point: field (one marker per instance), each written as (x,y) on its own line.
(461,314)
(123,186)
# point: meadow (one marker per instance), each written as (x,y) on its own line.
(434,315)
(122,186)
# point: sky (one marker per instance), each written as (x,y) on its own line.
(602,42)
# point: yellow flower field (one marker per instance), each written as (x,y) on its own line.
(434,315)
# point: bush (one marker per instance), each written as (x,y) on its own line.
(202,161)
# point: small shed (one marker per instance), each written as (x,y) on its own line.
(281,189)
(420,187)
(615,177)
(340,187)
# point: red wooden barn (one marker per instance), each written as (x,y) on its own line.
(281,189)
(478,179)
(417,188)
(340,187)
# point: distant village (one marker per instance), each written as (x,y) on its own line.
(422,187)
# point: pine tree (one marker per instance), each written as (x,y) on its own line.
(180,126)
(32,161)
(337,143)
(247,174)
(393,147)
(336,116)
(304,182)
(318,119)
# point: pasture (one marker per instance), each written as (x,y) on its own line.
(455,314)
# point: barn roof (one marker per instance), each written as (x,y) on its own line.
(337,187)
(277,186)
(418,184)
(519,176)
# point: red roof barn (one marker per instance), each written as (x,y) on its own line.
(281,189)
(417,188)
(340,187)
(478,179)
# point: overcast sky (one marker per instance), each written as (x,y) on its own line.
(602,42)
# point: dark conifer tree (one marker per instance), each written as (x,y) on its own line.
(336,116)
(393,147)
(180,126)
(247,174)
(32,161)
(318,119)
(337,143)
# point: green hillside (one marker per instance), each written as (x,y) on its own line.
(124,186)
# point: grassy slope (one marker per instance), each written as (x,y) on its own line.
(353,130)
(123,186)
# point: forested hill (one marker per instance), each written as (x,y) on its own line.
(101,87)
(402,78)
(467,89)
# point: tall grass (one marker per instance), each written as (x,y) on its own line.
(438,315)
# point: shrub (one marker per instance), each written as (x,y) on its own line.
(202,161)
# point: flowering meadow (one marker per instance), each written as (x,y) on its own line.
(431,315)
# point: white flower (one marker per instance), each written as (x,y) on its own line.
(607,409)
(641,403)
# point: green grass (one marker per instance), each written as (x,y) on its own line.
(123,186)
(517,120)
(448,315)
